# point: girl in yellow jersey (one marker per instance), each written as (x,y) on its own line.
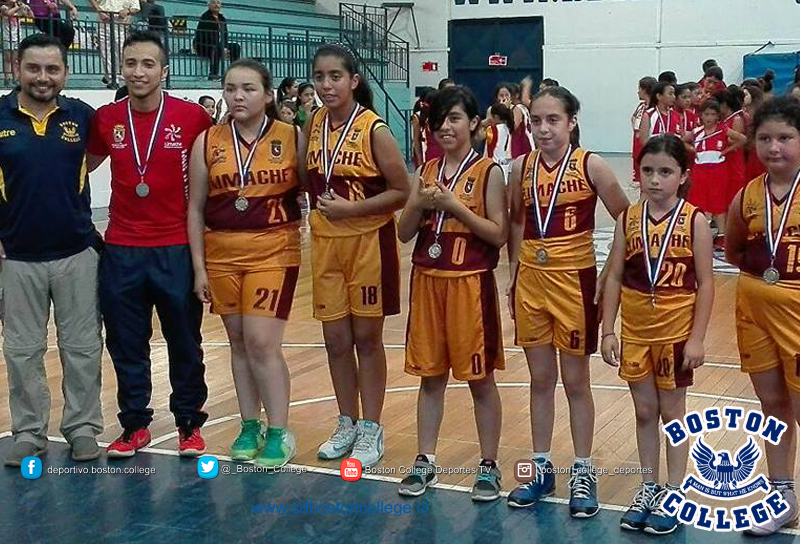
(457,212)
(243,224)
(762,238)
(357,179)
(667,290)
(551,252)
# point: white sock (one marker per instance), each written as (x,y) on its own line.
(587,461)
(543,456)
(431,457)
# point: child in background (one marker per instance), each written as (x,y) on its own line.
(644,91)
(667,290)
(498,138)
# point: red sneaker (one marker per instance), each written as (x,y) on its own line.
(191,443)
(128,444)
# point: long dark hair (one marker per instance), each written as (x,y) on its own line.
(284,87)
(363,93)
(266,78)
(671,145)
(446,99)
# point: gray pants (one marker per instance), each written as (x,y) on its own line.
(28,289)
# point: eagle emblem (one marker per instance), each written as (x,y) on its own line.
(724,474)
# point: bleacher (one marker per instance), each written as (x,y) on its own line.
(283,36)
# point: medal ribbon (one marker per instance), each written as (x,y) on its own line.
(543,224)
(439,218)
(244,168)
(652,272)
(328,161)
(772,243)
(142,166)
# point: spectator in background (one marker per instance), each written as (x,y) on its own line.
(210,105)
(446,82)
(11,11)
(713,82)
(122,12)
(211,39)
(153,16)
(307,103)
(47,18)
(287,90)
(548,82)
(287,112)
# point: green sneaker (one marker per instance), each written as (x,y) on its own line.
(249,442)
(279,450)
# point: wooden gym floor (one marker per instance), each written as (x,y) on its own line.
(313,412)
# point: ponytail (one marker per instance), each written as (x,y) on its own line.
(362,93)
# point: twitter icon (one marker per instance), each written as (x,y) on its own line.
(207,467)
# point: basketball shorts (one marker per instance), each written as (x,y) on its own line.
(358,275)
(454,323)
(556,307)
(265,293)
(768,328)
(666,361)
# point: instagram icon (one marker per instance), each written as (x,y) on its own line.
(350,469)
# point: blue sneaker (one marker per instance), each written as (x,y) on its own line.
(543,485)
(639,510)
(583,492)
(659,522)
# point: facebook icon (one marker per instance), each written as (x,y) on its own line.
(31,468)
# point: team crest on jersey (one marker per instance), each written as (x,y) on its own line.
(70,132)
(218,155)
(119,134)
(573,165)
(469,185)
(354,136)
(276,149)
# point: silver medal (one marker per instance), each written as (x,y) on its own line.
(435,251)
(771,275)
(542,256)
(142,189)
(241,204)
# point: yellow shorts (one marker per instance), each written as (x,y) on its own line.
(358,275)
(556,307)
(266,293)
(768,328)
(666,360)
(454,323)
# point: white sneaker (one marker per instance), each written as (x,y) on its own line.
(342,440)
(369,445)
(785,519)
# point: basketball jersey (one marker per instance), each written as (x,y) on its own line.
(522,137)
(498,144)
(569,241)
(661,123)
(708,147)
(356,175)
(687,121)
(266,234)
(463,252)
(638,113)
(756,254)
(676,287)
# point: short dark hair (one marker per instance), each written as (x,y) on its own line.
(550,82)
(145,36)
(784,108)
(647,83)
(671,145)
(710,104)
(668,77)
(444,82)
(204,98)
(42,40)
(448,98)
(714,71)
(708,64)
